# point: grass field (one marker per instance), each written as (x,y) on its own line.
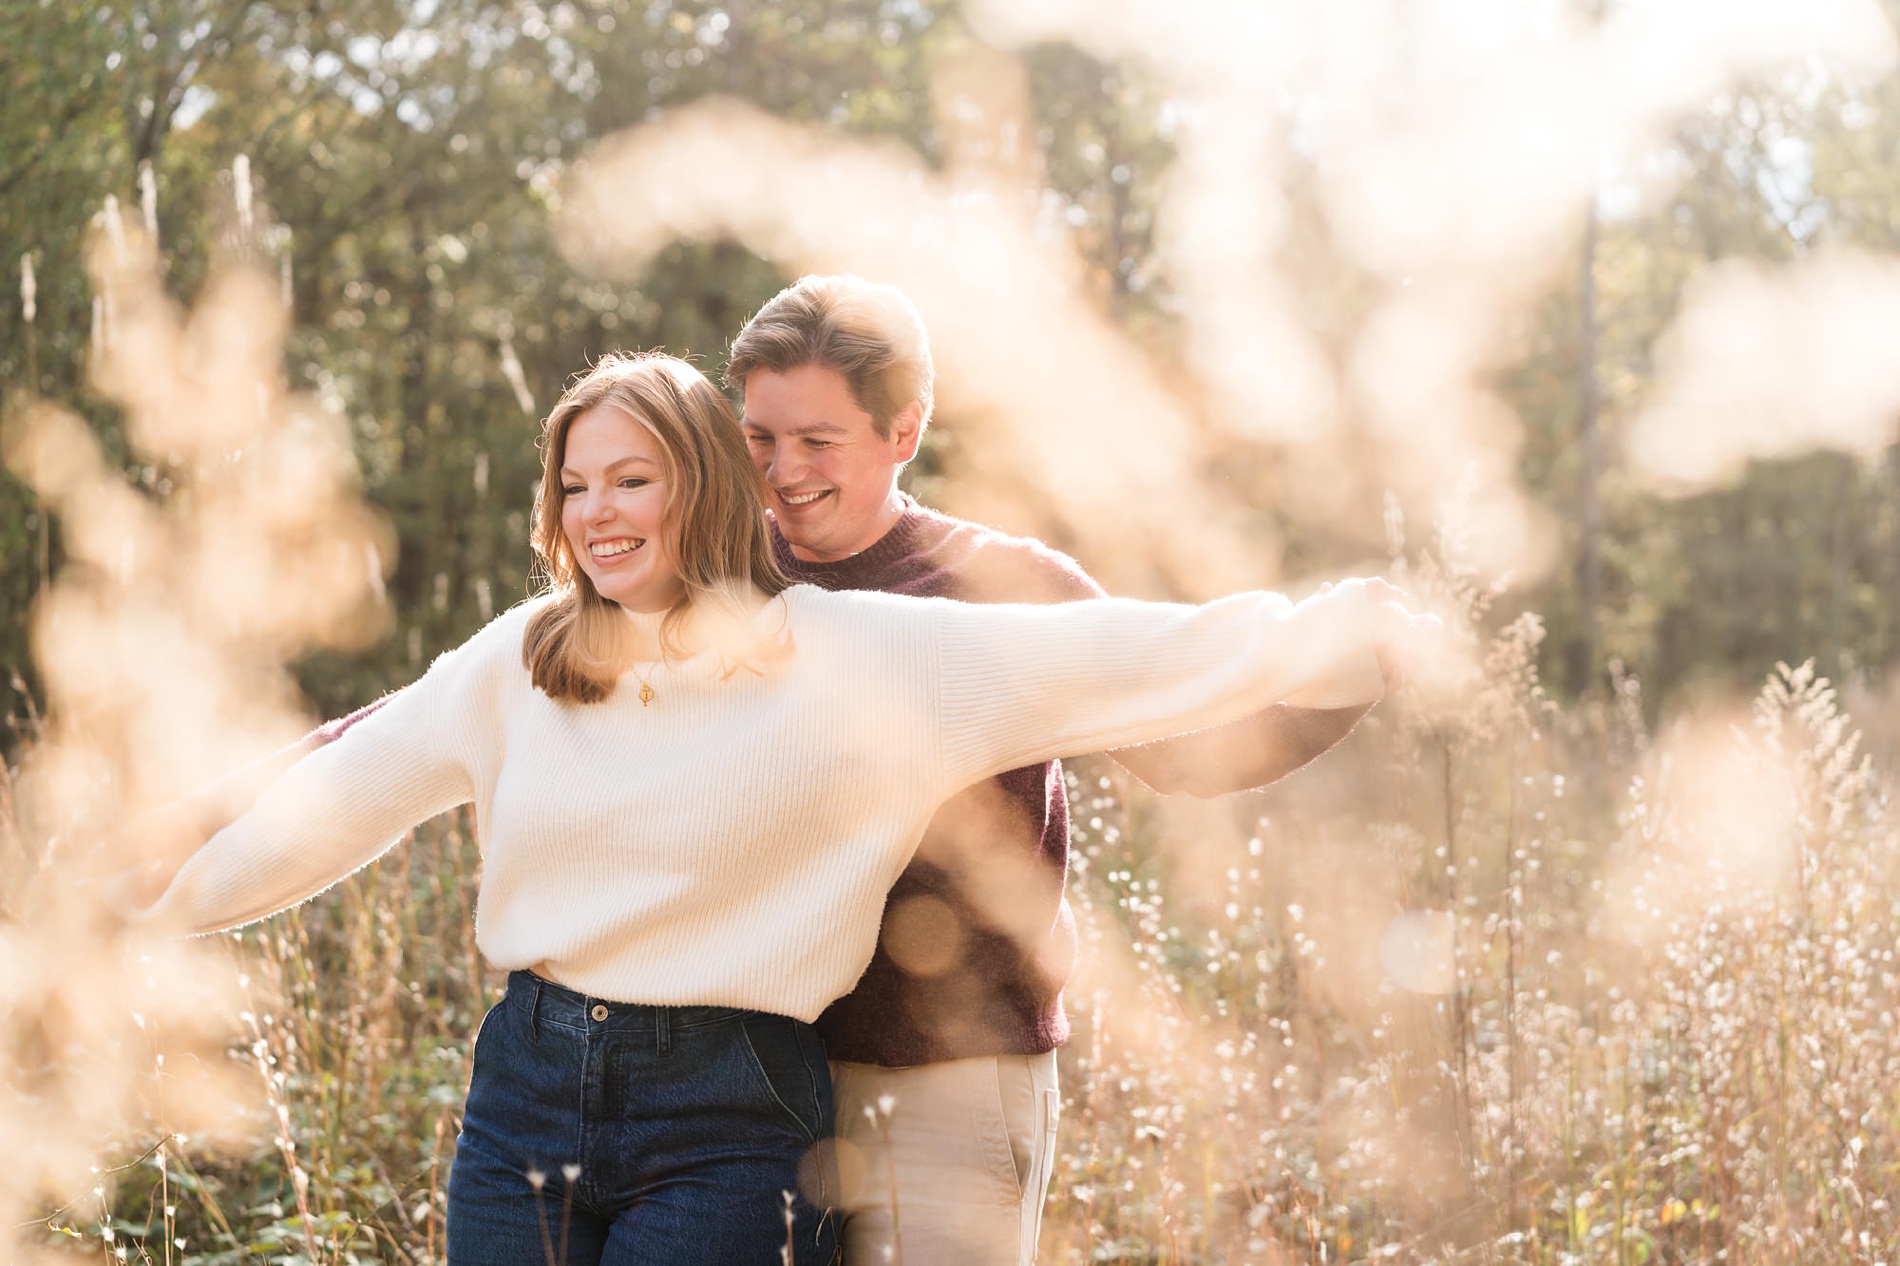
(1499,980)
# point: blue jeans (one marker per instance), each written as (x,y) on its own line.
(662,1135)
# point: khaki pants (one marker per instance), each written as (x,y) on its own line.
(970,1147)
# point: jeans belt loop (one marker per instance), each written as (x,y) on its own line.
(663,1028)
(534,1011)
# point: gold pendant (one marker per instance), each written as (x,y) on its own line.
(646,694)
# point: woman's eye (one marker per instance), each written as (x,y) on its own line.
(572,490)
(634,482)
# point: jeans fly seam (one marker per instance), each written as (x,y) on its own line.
(586,1183)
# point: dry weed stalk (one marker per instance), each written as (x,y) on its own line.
(237,544)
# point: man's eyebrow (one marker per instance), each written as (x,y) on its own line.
(812,428)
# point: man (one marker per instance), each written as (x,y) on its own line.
(943,1057)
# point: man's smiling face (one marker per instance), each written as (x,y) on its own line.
(832,479)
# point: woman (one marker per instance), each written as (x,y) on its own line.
(688,823)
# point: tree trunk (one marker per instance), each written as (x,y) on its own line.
(1590,560)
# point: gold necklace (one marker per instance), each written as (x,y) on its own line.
(646,688)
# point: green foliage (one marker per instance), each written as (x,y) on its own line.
(406,156)
(1789,561)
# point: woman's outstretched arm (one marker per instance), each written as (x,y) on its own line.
(1254,751)
(1021,684)
(167,836)
(337,806)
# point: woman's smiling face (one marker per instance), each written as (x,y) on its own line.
(613,510)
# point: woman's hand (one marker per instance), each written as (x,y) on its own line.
(163,839)
(1399,634)
(131,893)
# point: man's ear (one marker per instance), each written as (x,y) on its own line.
(907,430)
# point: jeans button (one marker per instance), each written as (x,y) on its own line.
(600,1011)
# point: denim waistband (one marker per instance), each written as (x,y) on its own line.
(548,1003)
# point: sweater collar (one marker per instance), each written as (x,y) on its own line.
(897,544)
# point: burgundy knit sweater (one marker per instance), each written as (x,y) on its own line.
(987,977)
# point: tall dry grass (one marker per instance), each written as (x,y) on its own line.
(1501,980)
(162,644)
(1504,981)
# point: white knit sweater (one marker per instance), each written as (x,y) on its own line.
(731,844)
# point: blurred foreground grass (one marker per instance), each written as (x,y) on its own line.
(1498,981)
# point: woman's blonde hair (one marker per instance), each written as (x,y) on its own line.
(576,646)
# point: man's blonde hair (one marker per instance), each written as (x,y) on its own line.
(871,334)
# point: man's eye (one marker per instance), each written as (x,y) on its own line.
(818,443)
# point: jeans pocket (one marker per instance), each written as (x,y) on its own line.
(490,1065)
(1021,1120)
(790,1061)
(482,1051)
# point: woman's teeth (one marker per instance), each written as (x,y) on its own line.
(609,549)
